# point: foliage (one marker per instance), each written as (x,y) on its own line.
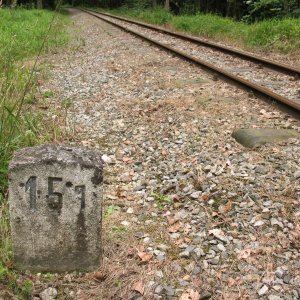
(157,16)
(249,10)
(266,9)
(281,35)
(22,287)
(161,200)
(22,34)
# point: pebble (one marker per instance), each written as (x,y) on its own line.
(198,252)
(185,254)
(279,273)
(214,261)
(261,170)
(297,174)
(48,294)
(263,290)
(125,223)
(221,247)
(287,278)
(259,223)
(168,290)
(158,289)
(130,210)
(274,297)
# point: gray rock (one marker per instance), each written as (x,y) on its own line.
(274,297)
(198,252)
(205,295)
(254,137)
(185,254)
(162,247)
(169,291)
(297,174)
(158,289)
(48,294)
(221,247)
(279,273)
(287,278)
(214,261)
(56,225)
(183,282)
(263,290)
(261,170)
(190,248)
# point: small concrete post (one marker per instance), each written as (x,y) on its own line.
(55,201)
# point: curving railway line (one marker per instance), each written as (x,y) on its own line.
(270,79)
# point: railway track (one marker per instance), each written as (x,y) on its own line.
(270,79)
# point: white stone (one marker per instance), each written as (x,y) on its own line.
(48,294)
(125,223)
(263,290)
(130,210)
(259,223)
(221,247)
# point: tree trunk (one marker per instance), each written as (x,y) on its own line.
(286,7)
(39,4)
(154,3)
(167,5)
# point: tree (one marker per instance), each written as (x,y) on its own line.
(167,5)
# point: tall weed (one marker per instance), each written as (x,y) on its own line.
(22,33)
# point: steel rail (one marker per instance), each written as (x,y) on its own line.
(236,79)
(254,58)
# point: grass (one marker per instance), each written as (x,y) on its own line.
(22,33)
(282,36)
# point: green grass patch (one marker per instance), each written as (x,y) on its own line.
(282,36)
(22,33)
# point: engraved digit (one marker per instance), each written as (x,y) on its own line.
(31,186)
(54,198)
(80,191)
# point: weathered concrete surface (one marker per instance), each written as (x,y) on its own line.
(254,137)
(55,200)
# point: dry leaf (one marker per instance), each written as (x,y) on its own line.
(205,196)
(172,221)
(130,252)
(174,228)
(178,242)
(144,256)
(243,254)
(187,240)
(139,287)
(164,152)
(231,282)
(9,264)
(225,208)
(127,160)
(190,295)
(100,276)
(130,198)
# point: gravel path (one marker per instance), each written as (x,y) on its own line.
(189,213)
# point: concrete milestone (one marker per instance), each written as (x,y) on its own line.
(55,202)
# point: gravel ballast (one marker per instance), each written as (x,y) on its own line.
(188,212)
